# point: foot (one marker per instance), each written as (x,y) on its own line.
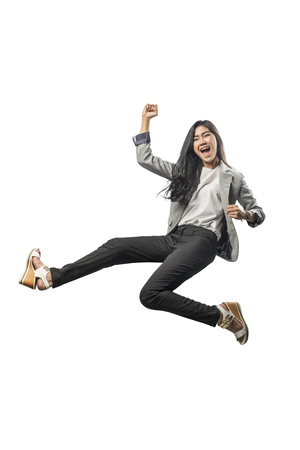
(235,324)
(37,263)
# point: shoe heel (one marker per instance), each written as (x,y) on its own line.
(28,278)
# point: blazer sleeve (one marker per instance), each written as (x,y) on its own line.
(146,159)
(249,203)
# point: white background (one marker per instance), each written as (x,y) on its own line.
(86,366)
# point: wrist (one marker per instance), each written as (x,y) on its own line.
(145,124)
(252,217)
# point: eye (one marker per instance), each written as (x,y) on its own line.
(207,134)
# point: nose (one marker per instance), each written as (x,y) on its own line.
(202,142)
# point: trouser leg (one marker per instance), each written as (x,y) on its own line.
(182,258)
(192,255)
(115,251)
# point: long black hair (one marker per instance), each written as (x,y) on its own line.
(187,170)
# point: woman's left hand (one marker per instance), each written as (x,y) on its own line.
(235,212)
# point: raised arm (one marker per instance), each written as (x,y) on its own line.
(143,147)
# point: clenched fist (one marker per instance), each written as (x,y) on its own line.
(235,212)
(150,111)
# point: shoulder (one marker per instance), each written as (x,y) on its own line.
(236,177)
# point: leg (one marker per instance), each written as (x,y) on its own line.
(183,257)
(192,255)
(115,251)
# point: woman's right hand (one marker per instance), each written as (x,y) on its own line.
(149,111)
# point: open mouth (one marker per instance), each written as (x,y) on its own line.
(205,151)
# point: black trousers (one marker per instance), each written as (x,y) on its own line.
(183,254)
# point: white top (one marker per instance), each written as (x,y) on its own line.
(205,207)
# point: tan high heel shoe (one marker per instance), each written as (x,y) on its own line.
(234,312)
(30,275)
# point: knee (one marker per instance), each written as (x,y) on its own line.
(116,245)
(115,242)
(149,298)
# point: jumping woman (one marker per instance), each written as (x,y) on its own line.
(203,190)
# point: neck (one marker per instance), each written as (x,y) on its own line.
(213,164)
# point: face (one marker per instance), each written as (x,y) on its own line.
(205,146)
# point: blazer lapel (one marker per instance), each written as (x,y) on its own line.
(225,178)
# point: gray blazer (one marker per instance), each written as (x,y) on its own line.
(233,188)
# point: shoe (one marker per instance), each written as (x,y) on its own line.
(30,275)
(41,272)
(234,312)
(28,278)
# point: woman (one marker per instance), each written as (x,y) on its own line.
(203,190)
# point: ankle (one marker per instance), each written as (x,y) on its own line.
(220,319)
(221,305)
(49,278)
